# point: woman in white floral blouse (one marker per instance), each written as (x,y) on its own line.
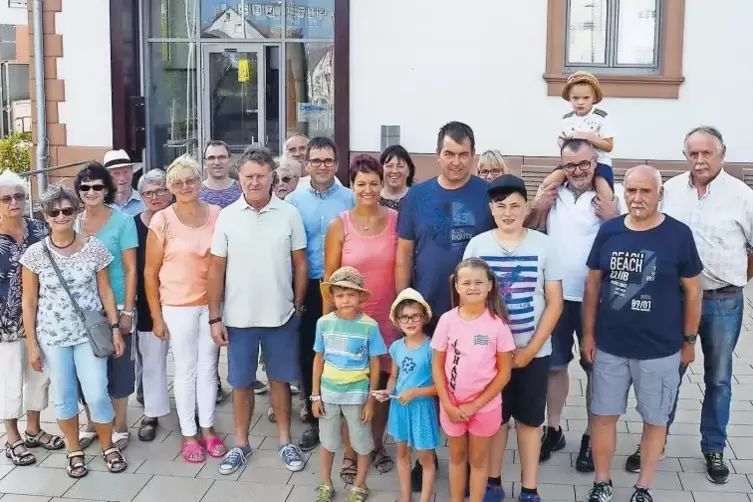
(22,390)
(57,339)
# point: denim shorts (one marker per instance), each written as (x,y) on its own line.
(66,367)
(279,350)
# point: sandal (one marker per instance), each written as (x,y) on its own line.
(49,442)
(19,458)
(117,462)
(357,494)
(76,468)
(193,453)
(121,439)
(148,429)
(214,446)
(86,438)
(382,462)
(349,471)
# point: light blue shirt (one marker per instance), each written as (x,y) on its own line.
(318,209)
(133,206)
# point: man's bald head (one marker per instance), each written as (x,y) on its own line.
(644,170)
(643,191)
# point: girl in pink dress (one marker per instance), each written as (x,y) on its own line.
(365,238)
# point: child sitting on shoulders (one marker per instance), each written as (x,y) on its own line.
(588,123)
(472,361)
(346,371)
(413,410)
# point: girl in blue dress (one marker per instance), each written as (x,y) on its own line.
(413,418)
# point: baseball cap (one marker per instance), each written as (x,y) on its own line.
(508,183)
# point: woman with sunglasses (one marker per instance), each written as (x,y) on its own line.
(287,176)
(22,390)
(117,231)
(56,337)
(177,265)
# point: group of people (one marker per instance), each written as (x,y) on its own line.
(448,305)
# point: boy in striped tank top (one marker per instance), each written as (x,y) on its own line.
(530,279)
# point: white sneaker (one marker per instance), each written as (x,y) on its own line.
(291,456)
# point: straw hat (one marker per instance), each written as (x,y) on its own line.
(583,77)
(119,158)
(408,294)
(344,277)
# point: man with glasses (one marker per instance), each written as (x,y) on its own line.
(575,214)
(319,203)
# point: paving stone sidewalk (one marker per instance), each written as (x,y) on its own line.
(157,473)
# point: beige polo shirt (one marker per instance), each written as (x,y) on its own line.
(259,271)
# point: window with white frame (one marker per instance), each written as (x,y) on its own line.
(21,4)
(7,42)
(619,37)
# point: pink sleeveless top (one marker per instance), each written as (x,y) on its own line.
(374,257)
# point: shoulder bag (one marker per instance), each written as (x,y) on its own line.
(95,321)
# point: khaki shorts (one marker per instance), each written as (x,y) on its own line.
(21,388)
(330,428)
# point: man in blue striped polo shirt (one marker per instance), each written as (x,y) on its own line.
(530,278)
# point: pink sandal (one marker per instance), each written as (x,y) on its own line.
(214,446)
(193,453)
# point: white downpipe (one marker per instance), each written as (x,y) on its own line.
(41,100)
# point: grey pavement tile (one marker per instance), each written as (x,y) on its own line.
(24,498)
(738,483)
(742,466)
(624,493)
(273,476)
(121,487)
(742,447)
(163,488)
(177,468)
(700,496)
(225,491)
(5,469)
(33,481)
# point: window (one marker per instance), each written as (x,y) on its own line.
(7,42)
(633,46)
(20,4)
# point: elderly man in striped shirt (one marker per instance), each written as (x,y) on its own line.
(718,208)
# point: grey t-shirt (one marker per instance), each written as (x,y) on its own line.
(522,272)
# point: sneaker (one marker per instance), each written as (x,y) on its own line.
(310,439)
(552,440)
(494,493)
(585,460)
(324,493)
(271,415)
(716,469)
(641,495)
(291,458)
(294,389)
(633,462)
(259,387)
(600,492)
(529,497)
(234,459)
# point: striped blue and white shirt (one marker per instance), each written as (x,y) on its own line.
(522,272)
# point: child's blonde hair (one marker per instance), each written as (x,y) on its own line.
(494,300)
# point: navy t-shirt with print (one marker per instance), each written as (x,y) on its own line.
(641,313)
(440,222)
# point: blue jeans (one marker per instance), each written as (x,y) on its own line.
(721,321)
(66,367)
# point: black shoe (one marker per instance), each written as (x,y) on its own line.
(552,440)
(585,460)
(310,439)
(641,495)
(633,462)
(716,470)
(417,475)
(600,492)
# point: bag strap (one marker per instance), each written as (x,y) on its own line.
(62,281)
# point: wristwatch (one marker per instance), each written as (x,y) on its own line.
(115,326)
(215,320)
(691,339)
(313,399)
(129,313)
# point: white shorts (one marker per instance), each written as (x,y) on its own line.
(21,388)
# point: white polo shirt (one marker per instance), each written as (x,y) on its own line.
(259,271)
(572,225)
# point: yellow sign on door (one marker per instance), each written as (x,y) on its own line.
(244,70)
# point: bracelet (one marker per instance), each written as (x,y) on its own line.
(215,320)
(129,313)
(115,326)
(314,399)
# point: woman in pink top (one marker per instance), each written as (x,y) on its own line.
(472,361)
(365,238)
(177,264)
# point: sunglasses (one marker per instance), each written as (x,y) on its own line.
(67,211)
(96,188)
(18,197)
(286,179)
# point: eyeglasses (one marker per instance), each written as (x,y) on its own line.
(405,319)
(152,193)
(67,211)
(286,179)
(489,172)
(318,162)
(217,158)
(96,188)
(188,182)
(583,166)
(18,197)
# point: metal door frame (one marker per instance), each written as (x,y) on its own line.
(206,112)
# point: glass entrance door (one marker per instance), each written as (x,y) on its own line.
(233,90)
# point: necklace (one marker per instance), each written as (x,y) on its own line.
(67,245)
(365,225)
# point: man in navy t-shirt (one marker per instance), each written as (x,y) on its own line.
(437,219)
(641,310)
